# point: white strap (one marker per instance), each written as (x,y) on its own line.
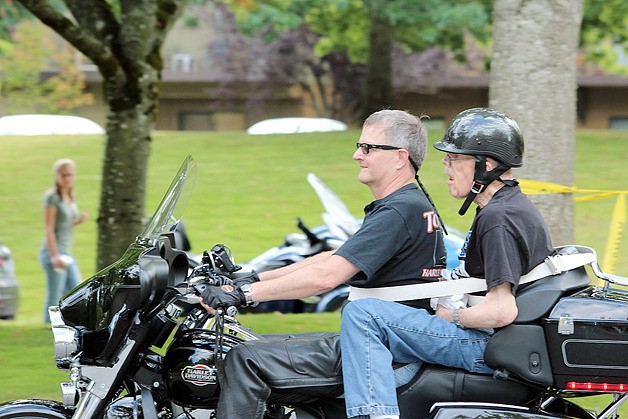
(552,265)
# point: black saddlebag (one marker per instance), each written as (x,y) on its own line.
(587,336)
(521,348)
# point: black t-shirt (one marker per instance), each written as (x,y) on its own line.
(508,238)
(400,242)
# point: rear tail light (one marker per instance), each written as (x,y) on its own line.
(606,387)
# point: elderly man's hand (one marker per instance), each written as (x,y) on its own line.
(222,297)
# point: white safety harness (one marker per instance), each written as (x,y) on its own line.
(552,265)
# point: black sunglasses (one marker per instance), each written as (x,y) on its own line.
(367,147)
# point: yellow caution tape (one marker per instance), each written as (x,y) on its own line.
(618,217)
(535,187)
(596,197)
(618,222)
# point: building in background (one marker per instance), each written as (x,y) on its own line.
(216,79)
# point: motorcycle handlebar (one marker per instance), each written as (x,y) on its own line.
(198,284)
(216,263)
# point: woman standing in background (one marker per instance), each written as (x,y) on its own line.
(61,214)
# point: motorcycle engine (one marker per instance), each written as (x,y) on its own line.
(189,368)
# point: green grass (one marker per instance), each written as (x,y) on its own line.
(249,191)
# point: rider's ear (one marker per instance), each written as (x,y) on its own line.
(404,158)
(491,164)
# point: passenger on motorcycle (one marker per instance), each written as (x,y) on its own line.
(508,238)
(400,242)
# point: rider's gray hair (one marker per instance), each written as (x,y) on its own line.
(403,130)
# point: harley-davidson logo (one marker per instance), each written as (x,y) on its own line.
(199,375)
(227,288)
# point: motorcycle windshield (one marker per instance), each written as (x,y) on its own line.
(109,300)
(172,205)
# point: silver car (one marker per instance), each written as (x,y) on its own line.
(9,287)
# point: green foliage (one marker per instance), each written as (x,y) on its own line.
(20,68)
(11,12)
(64,92)
(30,52)
(439,23)
(605,33)
(343,26)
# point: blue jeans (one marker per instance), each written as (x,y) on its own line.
(376,333)
(57,283)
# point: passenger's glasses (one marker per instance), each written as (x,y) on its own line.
(448,158)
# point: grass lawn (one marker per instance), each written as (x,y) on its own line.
(249,191)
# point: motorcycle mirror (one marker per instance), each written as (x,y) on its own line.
(223,259)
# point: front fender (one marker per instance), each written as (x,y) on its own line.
(34,408)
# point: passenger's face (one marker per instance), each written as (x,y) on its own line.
(460,168)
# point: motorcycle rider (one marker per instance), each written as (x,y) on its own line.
(400,242)
(508,238)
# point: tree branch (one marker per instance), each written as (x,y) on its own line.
(76,35)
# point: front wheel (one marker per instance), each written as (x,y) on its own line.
(35,409)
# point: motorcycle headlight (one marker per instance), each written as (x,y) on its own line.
(66,343)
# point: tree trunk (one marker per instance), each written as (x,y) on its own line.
(124,40)
(127,148)
(533,79)
(378,83)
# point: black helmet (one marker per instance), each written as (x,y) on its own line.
(484,132)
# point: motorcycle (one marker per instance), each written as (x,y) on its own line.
(137,344)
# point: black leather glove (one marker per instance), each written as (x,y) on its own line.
(246,279)
(224,296)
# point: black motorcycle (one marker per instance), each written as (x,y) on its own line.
(137,344)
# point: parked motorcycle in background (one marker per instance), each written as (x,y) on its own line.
(137,344)
(339,225)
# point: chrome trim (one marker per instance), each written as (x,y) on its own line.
(69,394)
(65,339)
(100,380)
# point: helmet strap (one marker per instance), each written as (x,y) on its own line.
(481,180)
(427,195)
(429,198)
